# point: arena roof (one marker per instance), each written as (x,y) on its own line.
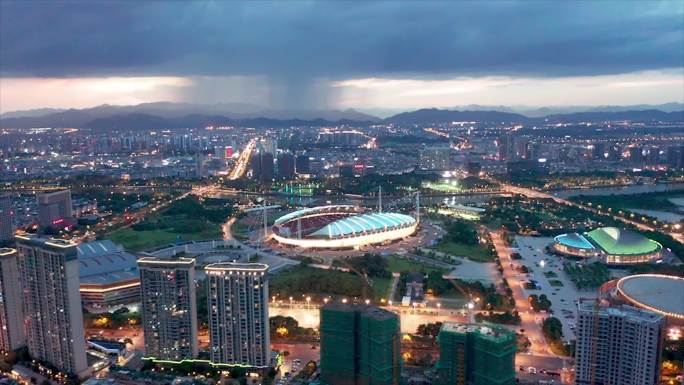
(663,294)
(97,248)
(574,240)
(622,242)
(310,210)
(364,223)
(103,262)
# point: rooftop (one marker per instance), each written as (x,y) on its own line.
(236,266)
(364,223)
(374,312)
(103,262)
(626,311)
(574,240)
(166,262)
(113,345)
(312,210)
(485,330)
(622,242)
(663,294)
(97,248)
(63,245)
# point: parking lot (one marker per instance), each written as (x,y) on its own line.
(563,298)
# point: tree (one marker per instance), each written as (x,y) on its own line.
(552,329)
(462,232)
(539,303)
(429,329)
(372,264)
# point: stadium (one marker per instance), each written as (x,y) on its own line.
(662,294)
(610,245)
(340,227)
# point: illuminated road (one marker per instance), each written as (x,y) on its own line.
(308,315)
(528,322)
(243,161)
(542,195)
(129,219)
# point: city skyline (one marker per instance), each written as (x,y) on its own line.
(342,192)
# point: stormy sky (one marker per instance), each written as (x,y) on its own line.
(309,55)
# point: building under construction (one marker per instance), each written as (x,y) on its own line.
(617,345)
(359,345)
(476,354)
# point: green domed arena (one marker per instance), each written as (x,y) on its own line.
(610,245)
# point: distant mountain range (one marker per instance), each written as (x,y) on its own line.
(178,115)
(540,112)
(433,115)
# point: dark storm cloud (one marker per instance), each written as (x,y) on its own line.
(339,40)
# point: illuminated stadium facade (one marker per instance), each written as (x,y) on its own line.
(341,226)
(610,245)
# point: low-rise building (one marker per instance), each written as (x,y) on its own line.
(108,274)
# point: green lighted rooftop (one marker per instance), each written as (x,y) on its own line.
(622,242)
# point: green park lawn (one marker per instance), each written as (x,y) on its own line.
(381,288)
(397,265)
(142,240)
(476,253)
(304,280)
(239,230)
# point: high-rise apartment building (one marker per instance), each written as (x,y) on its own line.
(302,165)
(435,158)
(237,295)
(268,145)
(636,155)
(615,152)
(54,207)
(11,314)
(502,144)
(53,316)
(6,219)
(476,354)
(267,167)
(359,345)
(286,166)
(617,345)
(169,307)
(600,150)
(675,157)
(262,166)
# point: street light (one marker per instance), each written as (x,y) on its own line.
(308,301)
(367,301)
(438,306)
